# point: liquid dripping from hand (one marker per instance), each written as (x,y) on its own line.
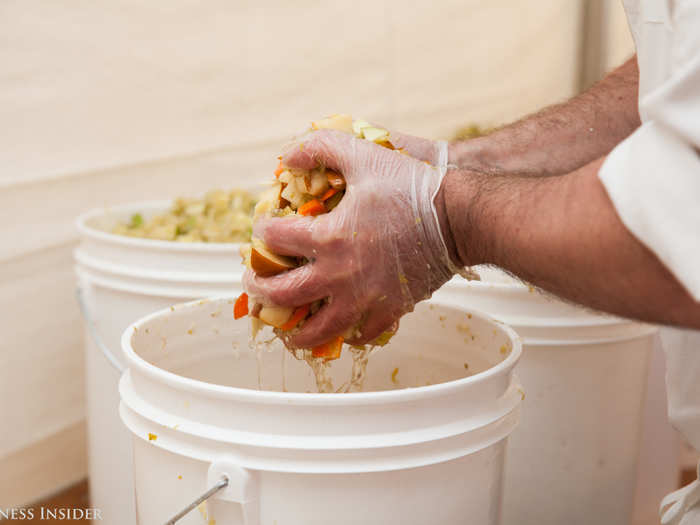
(319,366)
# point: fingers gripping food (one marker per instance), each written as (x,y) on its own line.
(305,193)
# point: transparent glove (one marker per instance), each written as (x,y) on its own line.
(372,257)
(434,152)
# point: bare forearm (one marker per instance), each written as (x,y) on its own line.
(563,235)
(560,138)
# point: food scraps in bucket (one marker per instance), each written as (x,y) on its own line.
(220,216)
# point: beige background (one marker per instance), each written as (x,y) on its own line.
(108,102)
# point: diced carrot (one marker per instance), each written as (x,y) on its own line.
(336,180)
(240,307)
(313,207)
(329,350)
(295,319)
(279,169)
(329,193)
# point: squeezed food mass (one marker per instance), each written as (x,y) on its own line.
(220,216)
(308,193)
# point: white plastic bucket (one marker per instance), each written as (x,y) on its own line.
(574,457)
(121,279)
(398,452)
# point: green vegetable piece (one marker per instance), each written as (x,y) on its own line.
(136,220)
(383,338)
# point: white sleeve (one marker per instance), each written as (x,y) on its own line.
(653,177)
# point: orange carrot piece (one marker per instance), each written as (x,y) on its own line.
(240,307)
(329,350)
(279,170)
(329,193)
(313,207)
(296,318)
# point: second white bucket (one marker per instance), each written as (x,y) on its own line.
(574,457)
(424,442)
(121,279)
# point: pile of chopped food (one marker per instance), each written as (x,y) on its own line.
(310,193)
(221,216)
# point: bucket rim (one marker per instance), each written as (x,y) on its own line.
(136,362)
(90,232)
(582,318)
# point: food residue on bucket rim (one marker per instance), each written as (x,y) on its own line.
(394,374)
(180,476)
(152,436)
(191,330)
(466,366)
(464,329)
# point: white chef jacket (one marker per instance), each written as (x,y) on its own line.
(653,180)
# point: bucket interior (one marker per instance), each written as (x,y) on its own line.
(202,341)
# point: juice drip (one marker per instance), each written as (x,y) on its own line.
(284,370)
(258,347)
(319,366)
(360,358)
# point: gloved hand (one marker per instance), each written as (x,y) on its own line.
(374,256)
(431,151)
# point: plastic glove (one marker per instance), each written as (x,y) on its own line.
(373,257)
(434,152)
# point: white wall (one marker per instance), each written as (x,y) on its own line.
(107,102)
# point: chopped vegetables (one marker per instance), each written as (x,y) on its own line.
(331,203)
(240,308)
(136,220)
(329,193)
(276,316)
(394,374)
(304,192)
(313,207)
(329,350)
(299,314)
(383,338)
(336,180)
(221,216)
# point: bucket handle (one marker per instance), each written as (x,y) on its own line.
(232,483)
(92,329)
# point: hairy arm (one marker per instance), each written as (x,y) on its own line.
(560,138)
(563,235)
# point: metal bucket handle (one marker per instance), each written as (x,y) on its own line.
(232,483)
(92,329)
